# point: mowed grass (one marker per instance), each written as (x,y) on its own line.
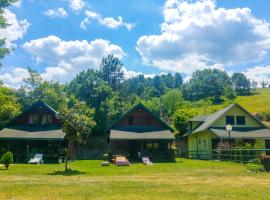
(258,102)
(185,179)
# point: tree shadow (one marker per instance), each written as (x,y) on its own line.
(69,172)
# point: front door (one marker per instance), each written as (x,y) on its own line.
(133,149)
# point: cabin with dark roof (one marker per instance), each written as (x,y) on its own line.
(36,130)
(206,133)
(140,133)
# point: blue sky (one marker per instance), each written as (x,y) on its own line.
(62,38)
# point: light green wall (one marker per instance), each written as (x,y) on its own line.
(200,144)
(236,111)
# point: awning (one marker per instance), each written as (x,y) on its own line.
(153,135)
(32,133)
(243,133)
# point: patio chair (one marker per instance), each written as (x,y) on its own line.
(36,160)
(122,161)
(146,161)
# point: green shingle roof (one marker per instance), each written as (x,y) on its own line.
(153,135)
(217,115)
(242,133)
(32,133)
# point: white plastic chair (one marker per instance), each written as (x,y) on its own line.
(36,160)
(146,161)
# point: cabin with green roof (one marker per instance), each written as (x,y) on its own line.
(140,133)
(36,130)
(206,132)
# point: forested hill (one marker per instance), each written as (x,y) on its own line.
(109,94)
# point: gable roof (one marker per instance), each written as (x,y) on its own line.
(36,104)
(141,106)
(217,115)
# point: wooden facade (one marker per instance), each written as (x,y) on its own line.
(36,130)
(140,133)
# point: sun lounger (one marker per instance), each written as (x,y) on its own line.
(146,161)
(36,160)
(122,161)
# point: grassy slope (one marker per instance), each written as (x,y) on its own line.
(186,179)
(259,102)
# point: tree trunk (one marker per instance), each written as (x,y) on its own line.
(67,155)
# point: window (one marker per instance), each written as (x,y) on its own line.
(204,143)
(230,120)
(152,146)
(156,145)
(241,120)
(130,120)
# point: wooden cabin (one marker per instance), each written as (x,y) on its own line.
(206,132)
(36,130)
(140,133)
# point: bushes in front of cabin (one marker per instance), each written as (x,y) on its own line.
(7,159)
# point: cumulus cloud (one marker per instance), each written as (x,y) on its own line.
(64,59)
(15,31)
(14,77)
(108,22)
(17,3)
(197,35)
(131,74)
(258,73)
(76,5)
(57,13)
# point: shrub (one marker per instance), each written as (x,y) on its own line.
(7,159)
(255,167)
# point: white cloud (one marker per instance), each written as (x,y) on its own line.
(64,59)
(15,31)
(17,3)
(130,74)
(14,78)
(76,5)
(198,35)
(258,73)
(108,22)
(59,12)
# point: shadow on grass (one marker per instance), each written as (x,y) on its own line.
(69,172)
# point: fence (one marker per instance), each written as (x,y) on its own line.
(235,155)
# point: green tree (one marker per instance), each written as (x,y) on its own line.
(77,122)
(170,101)
(208,83)
(3,24)
(7,159)
(35,88)
(9,105)
(264,83)
(111,70)
(181,118)
(90,88)
(178,80)
(241,84)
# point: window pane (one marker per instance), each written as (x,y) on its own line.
(156,145)
(230,120)
(149,145)
(241,120)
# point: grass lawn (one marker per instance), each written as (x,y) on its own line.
(185,179)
